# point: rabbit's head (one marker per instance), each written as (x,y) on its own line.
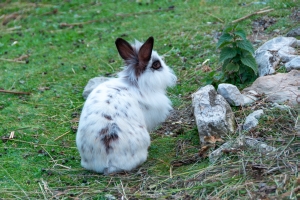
(144,67)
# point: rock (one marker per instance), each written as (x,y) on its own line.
(281,107)
(293,64)
(109,197)
(231,93)
(287,53)
(266,62)
(294,32)
(267,56)
(241,142)
(260,146)
(248,99)
(92,84)
(252,119)
(213,114)
(279,88)
(277,43)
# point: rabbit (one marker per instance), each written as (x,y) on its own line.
(113,131)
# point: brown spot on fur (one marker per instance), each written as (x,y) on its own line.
(108,139)
(104,131)
(108,117)
(110,134)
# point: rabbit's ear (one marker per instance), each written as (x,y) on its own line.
(146,51)
(125,49)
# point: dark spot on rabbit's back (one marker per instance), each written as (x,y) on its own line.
(108,117)
(107,101)
(108,139)
(109,134)
(104,131)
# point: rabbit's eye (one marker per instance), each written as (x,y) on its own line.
(156,65)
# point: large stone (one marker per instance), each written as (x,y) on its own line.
(213,114)
(252,119)
(92,84)
(266,62)
(231,93)
(293,64)
(277,43)
(268,57)
(287,53)
(279,88)
(294,32)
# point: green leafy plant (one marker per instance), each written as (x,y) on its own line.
(238,63)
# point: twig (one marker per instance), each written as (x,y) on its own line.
(42,191)
(8,174)
(255,13)
(220,20)
(13,92)
(12,60)
(62,135)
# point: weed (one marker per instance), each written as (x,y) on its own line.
(239,65)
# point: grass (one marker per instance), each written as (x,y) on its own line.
(41,55)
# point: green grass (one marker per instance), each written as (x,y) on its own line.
(41,161)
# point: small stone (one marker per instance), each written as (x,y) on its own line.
(231,93)
(293,64)
(252,119)
(294,32)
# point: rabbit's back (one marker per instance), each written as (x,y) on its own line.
(112,135)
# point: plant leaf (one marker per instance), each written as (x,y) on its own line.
(246,45)
(249,61)
(227,52)
(225,38)
(241,33)
(232,67)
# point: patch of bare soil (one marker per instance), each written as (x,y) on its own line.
(178,121)
(259,30)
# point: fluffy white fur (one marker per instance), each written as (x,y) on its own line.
(113,128)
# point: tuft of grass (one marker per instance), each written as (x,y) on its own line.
(52,48)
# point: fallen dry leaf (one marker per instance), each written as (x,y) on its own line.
(203,151)
(206,68)
(9,18)
(212,139)
(21,58)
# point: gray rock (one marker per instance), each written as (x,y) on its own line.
(281,107)
(287,53)
(231,93)
(249,97)
(267,57)
(293,64)
(241,142)
(294,32)
(213,114)
(92,84)
(266,62)
(280,88)
(109,197)
(277,43)
(252,119)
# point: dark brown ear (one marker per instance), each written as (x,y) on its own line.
(146,51)
(125,49)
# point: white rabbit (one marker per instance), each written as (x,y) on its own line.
(113,129)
